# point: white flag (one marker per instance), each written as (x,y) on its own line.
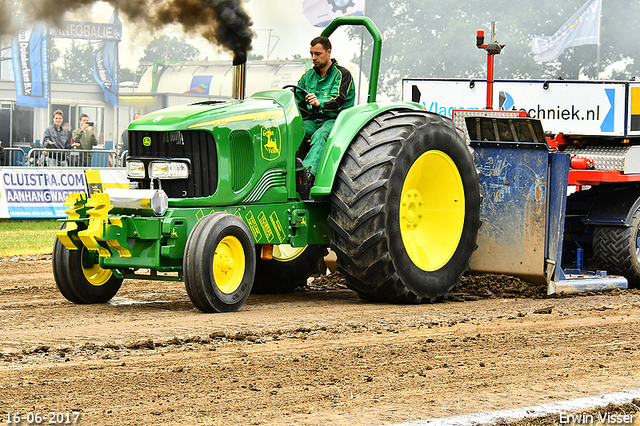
(582,28)
(321,12)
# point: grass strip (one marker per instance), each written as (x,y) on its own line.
(27,237)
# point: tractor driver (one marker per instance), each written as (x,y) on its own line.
(330,89)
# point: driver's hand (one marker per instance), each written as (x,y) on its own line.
(312,100)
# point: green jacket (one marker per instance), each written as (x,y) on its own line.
(86,139)
(335,91)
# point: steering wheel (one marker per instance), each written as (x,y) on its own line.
(304,112)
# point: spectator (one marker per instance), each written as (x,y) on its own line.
(56,138)
(84,139)
(125,139)
(73,158)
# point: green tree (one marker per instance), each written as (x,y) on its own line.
(126,74)
(170,49)
(77,64)
(54,52)
(437,39)
(255,57)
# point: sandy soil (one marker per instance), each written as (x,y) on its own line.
(318,356)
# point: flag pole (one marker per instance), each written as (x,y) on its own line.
(598,45)
(598,62)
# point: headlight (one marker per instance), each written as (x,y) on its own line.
(168,170)
(135,169)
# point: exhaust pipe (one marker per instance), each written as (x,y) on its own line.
(239,78)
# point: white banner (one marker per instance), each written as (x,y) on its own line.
(563,107)
(35,193)
(39,193)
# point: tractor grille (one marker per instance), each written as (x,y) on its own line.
(242,164)
(195,146)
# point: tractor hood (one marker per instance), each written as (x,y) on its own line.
(261,106)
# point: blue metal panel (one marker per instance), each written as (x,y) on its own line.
(514,185)
(557,207)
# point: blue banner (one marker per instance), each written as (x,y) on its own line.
(30,57)
(105,65)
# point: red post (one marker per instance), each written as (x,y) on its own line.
(489,80)
(492,48)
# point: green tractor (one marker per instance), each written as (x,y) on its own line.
(213,203)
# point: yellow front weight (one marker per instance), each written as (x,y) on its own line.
(76,202)
(98,214)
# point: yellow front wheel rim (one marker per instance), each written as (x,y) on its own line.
(432,210)
(93,273)
(287,253)
(228,264)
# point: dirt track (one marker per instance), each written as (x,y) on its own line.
(315,357)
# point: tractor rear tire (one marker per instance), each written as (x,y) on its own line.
(79,277)
(405,208)
(288,269)
(617,249)
(219,263)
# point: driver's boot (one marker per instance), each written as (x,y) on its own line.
(304,179)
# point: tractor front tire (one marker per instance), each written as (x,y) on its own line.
(617,249)
(219,263)
(405,208)
(288,269)
(79,277)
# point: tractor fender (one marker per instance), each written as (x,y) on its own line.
(347,126)
(614,208)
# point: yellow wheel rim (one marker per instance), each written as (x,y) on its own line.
(92,271)
(228,264)
(432,210)
(286,253)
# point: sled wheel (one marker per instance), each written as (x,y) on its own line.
(617,249)
(405,208)
(288,269)
(80,278)
(219,263)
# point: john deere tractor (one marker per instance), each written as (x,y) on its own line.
(213,202)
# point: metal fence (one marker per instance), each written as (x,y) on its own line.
(44,157)
(122,158)
(12,157)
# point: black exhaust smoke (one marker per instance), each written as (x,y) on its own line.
(221,22)
(233,28)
